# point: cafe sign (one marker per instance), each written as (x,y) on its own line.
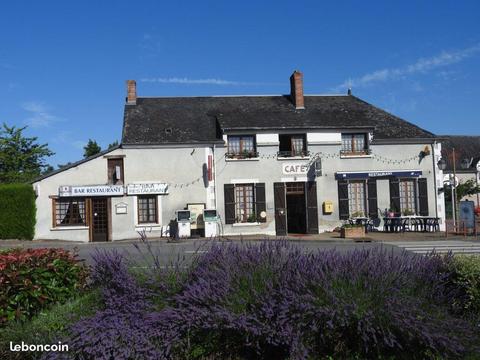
(91,190)
(147,188)
(295,169)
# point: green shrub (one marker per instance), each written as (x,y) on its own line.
(32,279)
(17,211)
(467,276)
(47,327)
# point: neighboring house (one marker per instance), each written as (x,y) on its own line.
(467,159)
(269,165)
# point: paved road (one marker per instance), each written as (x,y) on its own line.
(185,250)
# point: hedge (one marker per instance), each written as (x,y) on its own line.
(17,211)
(32,279)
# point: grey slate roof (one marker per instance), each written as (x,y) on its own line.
(72,165)
(466,147)
(203,119)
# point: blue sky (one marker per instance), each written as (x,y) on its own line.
(63,64)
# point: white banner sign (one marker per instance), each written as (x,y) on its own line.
(295,169)
(93,190)
(147,188)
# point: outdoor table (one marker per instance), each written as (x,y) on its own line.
(392,224)
(400,223)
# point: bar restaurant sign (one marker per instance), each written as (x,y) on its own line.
(147,188)
(91,190)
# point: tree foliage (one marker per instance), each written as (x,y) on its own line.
(21,157)
(467,188)
(113,144)
(91,148)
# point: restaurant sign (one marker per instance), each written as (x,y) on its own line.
(91,190)
(295,169)
(147,188)
(377,174)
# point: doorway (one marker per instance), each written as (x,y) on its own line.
(99,218)
(296,209)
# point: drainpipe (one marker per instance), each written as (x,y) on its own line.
(214,177)
(435,177)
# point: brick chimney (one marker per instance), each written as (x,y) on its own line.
(296,90)
(131,92)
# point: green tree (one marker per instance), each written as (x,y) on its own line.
(91,148)
(22,159)
(112,145)
(464,189)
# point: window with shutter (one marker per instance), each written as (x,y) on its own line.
(395,195)
(372,198)
(343,207)
(423,197)
(229,196)
(260,201)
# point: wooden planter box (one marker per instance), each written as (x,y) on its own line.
(353,232)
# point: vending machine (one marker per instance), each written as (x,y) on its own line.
(183,220)
(210,220)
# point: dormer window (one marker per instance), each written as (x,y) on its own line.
(292,145)
(115,171)
(241,147)
(355,144)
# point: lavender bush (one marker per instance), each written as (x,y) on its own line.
(273,301)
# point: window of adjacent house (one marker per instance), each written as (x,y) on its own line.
(354,143)
(408,196)
(241,145)
(147,209)
(115,171)
(356,198)
(69,212)
(244,203)
(292,145)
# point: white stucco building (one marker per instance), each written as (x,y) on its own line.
(268,164)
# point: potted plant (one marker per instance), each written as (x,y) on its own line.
(252,218)
(352,231)
(408,212)
(391,211)
(357,214)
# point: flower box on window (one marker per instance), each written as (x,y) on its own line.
(287,154)
(242,155)
(355,152)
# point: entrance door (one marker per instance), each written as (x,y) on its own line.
(296,209)
(280,209)
(99,219)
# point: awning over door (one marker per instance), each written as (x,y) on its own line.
(377,174)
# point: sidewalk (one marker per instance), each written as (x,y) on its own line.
(332,237)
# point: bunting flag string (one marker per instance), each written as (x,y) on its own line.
(311,159)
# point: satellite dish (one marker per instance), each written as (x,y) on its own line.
(263,214)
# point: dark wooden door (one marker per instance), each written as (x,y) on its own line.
(312,209)
(99,219)
(280,209)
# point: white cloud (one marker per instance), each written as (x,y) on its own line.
(207,81)
(422,65)
(39,114)
(188,81)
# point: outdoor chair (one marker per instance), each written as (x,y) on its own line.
(432,225)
